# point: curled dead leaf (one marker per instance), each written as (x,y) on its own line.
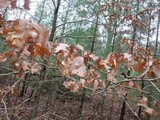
(72,86)
(3,57)
(14,91)
(74,66)
(35,68)
(61,47)
(111,78)
(143,102)
(139,67)
(150,111)
(26,4)
(79,47)
(95,85)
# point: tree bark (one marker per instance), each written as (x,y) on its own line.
(148,32)
(42,11)
(123,109)
(64,25)
(92,49)
(52,35)
(157,34)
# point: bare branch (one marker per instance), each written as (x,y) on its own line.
(6,74)
(5,106)
(72,22)
(53,1)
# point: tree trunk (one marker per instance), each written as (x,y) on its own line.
(54,21)
(92,49)
(64,25)
(42,11)
(123,109)
(157,35)
(149,27)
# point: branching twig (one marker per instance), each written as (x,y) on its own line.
(5,106)
(5,109)
(54,3)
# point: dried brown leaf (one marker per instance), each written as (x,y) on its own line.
(14,91)
(79,47)
(35,68)
(26,4)
(4,3)
(139,67)
(94,57)
(3,57)
(150,111)
(61,47)
(75,66)
(95,85)
(13,4)
(156,70)
(143,102)
(111,78)
(72,86)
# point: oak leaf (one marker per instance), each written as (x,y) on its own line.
(150,111)
(13,4)
(4,3)
(143,102)
(94,57)
(72,86)
(26,4)
(79,47)
(35,68)
(3,57)
(139,67)
(156,69)
(111,78)
(14,91)
(74,66)
(61,47)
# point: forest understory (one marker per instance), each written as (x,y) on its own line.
(54,102)
(79,60)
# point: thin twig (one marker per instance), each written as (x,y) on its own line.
(155,98)
(6,74)
(28,108)
(41,116)
(155,86)
(5,109)
(144,73)
(5,106)
(54,3)
(62,118)
(72,22)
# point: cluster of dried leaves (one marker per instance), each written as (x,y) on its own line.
(27,40)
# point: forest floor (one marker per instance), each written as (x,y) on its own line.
(64,107)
